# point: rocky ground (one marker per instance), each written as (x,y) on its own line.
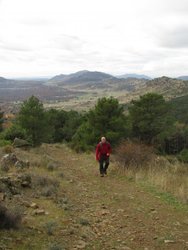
(66,205)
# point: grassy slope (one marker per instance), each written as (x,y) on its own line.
(97,213)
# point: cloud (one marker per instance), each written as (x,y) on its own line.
(36,22)
(67,42)
(177,6)
(14,47)
(176,38)
(60,36)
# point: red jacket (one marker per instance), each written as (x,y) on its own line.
(103,149)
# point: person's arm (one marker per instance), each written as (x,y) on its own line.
(109,149)
(97,152)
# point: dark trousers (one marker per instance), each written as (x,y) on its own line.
(103,164)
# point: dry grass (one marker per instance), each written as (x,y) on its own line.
(132,155)
(166,173)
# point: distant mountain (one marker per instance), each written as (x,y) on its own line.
(125,76)
(185,78)
(13,84)
(84,76)
(6,82)
(40,79)
(2,79)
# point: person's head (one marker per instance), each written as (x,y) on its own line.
(103,139)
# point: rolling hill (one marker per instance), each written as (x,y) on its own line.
(185,78)
(169,87)
(84,76)
(125,76)
(80,90)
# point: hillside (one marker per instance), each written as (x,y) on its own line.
(5,83)
(123,89)
(68,206)
(168,87)
(81,90)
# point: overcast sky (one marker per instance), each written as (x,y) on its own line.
(49,37)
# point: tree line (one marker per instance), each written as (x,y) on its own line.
(150,119)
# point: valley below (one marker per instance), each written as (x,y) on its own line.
(80,91)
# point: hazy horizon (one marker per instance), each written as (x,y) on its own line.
(72,72)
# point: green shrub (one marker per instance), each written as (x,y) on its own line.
(9,219)
(84,222)
(183,156)
(51,166)
(4,143)
(45,181)
(46,186)
(48,191)
(15,131)
(50,227)
(56,246)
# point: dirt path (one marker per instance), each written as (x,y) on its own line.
(89,212)
(113,213)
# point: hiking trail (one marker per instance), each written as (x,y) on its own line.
(114,213)
(98,213)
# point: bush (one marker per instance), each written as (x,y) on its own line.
(50,227)
(172,140)
(45,185)
(8,149)
(4,143)
(48,191)
(61,175)
(45,181)
(15,131)
(9,219)
(133,155)
(56,246)
(52,166)
(183,156)
(83,222)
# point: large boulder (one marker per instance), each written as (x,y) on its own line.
(18,143)
(13,184)
(8,161)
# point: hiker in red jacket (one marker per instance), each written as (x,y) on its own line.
(103,151)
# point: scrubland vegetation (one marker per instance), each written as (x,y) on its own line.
(59,201)
(151,141)
(140,163)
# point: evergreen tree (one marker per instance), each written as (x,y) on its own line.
(149,116)
(32,119)
(106,119)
